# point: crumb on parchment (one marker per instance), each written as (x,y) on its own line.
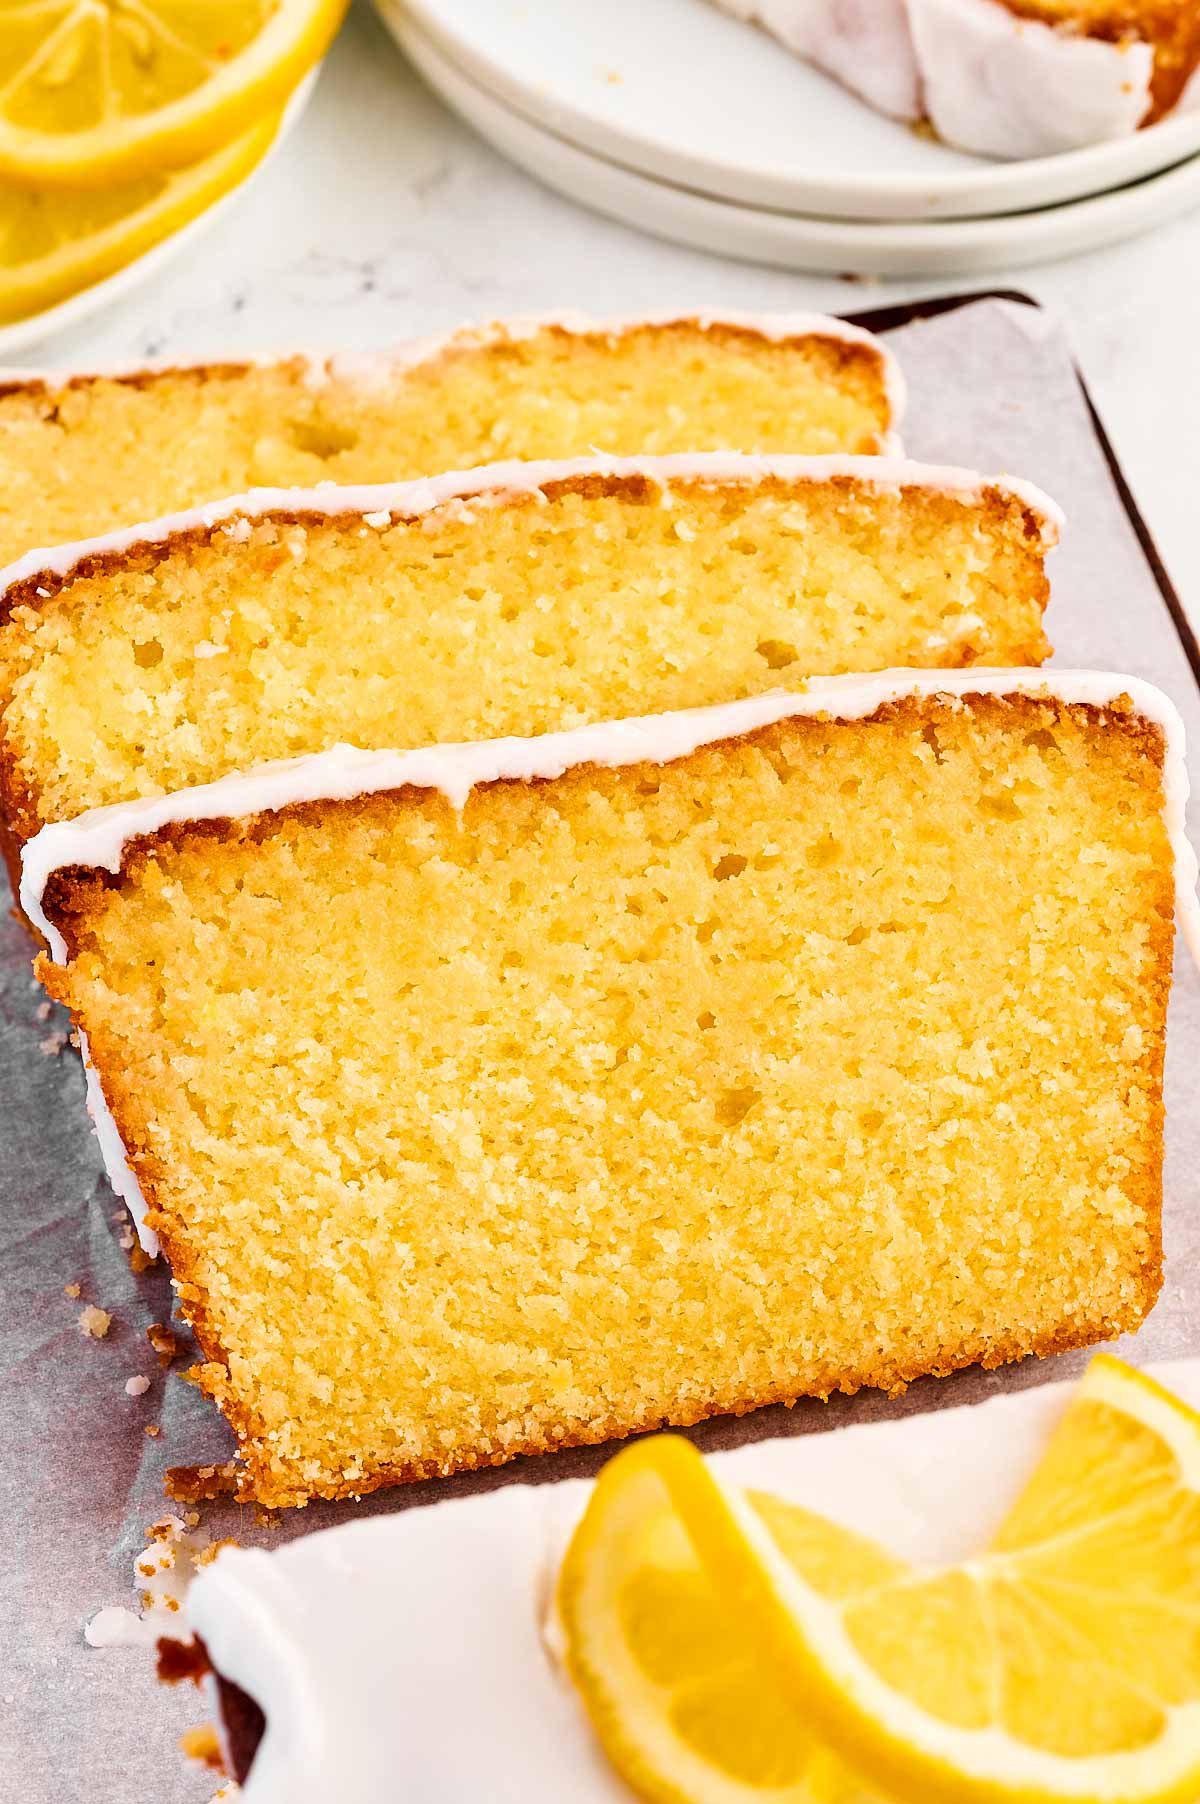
(202,1744)
(95,1322)
(164,1342)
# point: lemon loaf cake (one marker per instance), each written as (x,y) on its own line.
(1006,78)
(82,454)
(518,599)
(504,1097)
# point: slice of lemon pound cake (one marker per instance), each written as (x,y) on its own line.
(500,1098)
(520,599)
(82,454)
(1023,78)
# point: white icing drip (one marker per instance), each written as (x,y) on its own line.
(410,1643)
(409,500)
(97,840)
(864,44)
(117,1168)
(1004,86)
(377,368)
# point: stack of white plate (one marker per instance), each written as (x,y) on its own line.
(675,117)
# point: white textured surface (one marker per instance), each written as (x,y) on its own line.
(413,1644)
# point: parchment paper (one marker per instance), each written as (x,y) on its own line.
(993,386)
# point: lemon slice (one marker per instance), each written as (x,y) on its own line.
(53,243)
(98,91)
(684,1703)
(1062,1664)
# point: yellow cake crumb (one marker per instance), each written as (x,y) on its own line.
(825,1057)
(82,456)
(596,598)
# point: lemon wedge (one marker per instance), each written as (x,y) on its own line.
(683,1700)
(1062,1664)
(54,243)
(94,92)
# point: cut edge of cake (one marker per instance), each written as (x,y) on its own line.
(371,368)
(1023,521)
(98,839)
(40,573)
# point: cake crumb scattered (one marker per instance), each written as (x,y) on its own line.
(71,1290)
(152,1430)
(95,1322)
(139,1259)
(137,1386)
(52,1045)
(202,1744)
(42,1011)
(164,1342)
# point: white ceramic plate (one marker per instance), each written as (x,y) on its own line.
(77,307)
(795,241)
(675,90)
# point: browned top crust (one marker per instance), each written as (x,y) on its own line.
(636,490)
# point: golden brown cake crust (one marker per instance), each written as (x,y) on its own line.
(145,556)
(259,1476)
(843,352)
(1013,530)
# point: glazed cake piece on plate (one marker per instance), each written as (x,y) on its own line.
(866,46)
(84,453)
(1005,78)
(519,599)
(494,1099)
(1025,78)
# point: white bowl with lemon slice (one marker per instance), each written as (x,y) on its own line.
(121,131)
(110,251)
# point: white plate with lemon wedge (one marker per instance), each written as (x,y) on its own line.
(122,132)
(994,1604)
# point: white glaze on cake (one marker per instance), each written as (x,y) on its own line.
(400,1656)
(1004,86)
(989,81)
(382,502)
(376,369)
(98,839)
(864,44)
